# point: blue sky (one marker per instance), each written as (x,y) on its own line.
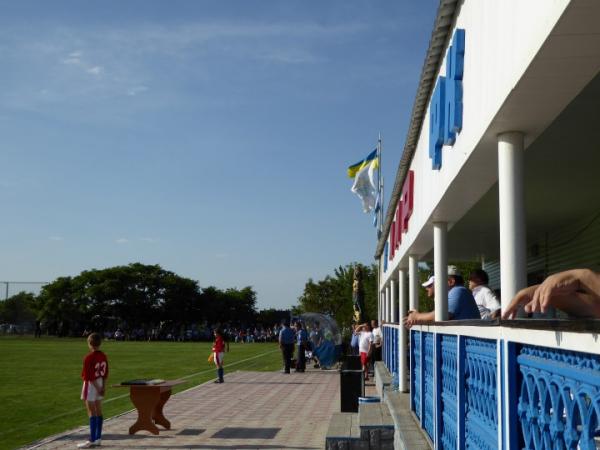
(210,137)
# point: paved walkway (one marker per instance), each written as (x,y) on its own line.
(251,410)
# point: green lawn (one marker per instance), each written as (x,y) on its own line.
(40,380)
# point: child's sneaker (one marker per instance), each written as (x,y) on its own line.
(97,442)
(86,444)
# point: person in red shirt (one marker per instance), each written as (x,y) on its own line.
(94,375)
(221,345)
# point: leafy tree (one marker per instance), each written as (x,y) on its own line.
(269,317)
(333,294)
(18,309)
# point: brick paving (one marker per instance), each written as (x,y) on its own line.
(251,410)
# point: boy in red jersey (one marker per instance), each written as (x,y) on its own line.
(218,348)
(94,375)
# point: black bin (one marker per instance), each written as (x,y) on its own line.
(352,362)
(352,386)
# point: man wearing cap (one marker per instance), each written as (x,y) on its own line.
(461,304)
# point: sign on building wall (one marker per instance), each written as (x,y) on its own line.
(403,213)
(446,107)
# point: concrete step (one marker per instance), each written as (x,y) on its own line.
(376,426)
(344,433)
(409,435)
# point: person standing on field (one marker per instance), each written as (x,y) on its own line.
(286,344)
(94,375)
(302,341)
(219,347)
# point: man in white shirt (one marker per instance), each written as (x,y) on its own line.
(487,302)
(377,343)
(365,342)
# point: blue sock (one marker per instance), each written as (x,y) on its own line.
(99,421)
(93,420)
(220,373)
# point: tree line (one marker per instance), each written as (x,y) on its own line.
(133,297)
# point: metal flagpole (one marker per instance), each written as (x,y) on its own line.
(380,189)
(379,229)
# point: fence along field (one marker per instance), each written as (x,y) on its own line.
(40,380)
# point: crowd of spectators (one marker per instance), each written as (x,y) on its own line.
(203,332)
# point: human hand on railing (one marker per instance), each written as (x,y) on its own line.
(410,319)
(559,284)
(523,297)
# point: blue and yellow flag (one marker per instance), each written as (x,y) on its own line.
(365,186)
(355,168)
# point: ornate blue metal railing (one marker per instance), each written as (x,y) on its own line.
(559,398)
(428,386)
(390,348)
(449,394)
(481,394)
(416,369)
(495,388)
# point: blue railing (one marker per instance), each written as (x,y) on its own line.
(390,349)
(449,398)
(492,388)
(559,398)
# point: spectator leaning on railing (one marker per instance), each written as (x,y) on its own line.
(576,292)
(461,304)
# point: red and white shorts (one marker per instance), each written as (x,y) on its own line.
(89,393)
(218,358)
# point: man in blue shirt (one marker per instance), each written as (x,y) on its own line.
(461,303)
(302,341)
(286,344)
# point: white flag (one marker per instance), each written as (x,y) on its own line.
(364,185)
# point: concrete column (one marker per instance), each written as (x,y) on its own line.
(413,283)
(393,299)
(383,302)
(513,258)
(440,270)
(403,340)
(388,303)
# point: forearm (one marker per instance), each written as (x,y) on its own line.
(589,282)
(578,304)
(420,317)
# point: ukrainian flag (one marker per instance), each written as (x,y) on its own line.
(355,168)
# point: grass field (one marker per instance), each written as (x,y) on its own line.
(40,380)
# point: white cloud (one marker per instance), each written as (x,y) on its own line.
(135,90)
(56,238)
(122,241)
(96,70)
(149,240)
(221,256)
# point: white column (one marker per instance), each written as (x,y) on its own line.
(403,340)
(513,259)
(383,304)
(393,300)
(388,303)
(413,283)
(440,270)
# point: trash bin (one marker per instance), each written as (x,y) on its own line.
(353,362)
(351,388)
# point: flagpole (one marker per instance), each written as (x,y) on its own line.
(380,188)
(379,229)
